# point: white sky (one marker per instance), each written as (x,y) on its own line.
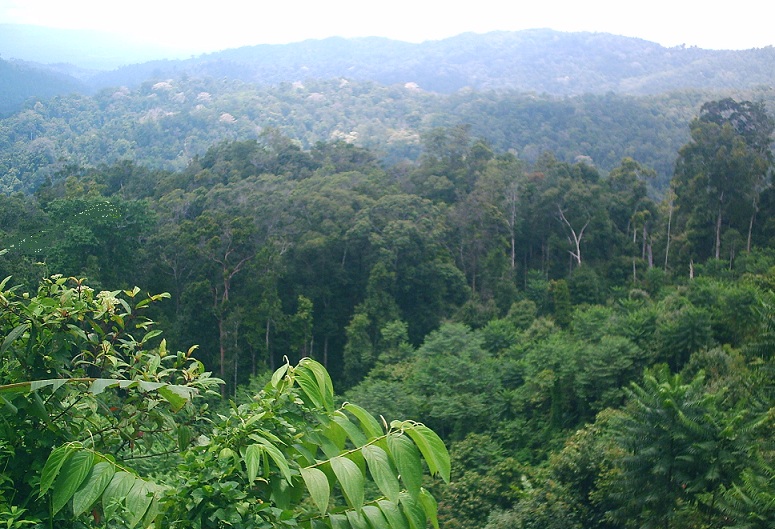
(207,25)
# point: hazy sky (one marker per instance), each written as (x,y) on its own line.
(212,25)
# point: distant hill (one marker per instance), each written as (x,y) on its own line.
(19,81)
(541,61)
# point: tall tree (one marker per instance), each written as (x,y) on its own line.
(721,172)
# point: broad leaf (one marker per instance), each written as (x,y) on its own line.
(55,384)
(277,456)
(318,487)
(71,476)
(279,374)
(12,336)
(350,479)
(431,508)
(433,449)
(253,455)
(177,396)
(407,459)
(116,492)
(323,381)
(339,521)
(357,520)
(308,385)
(369,424)
(393,514)
(138,500)
(93,487)
(356,436)
(375,517)
(154,509)
(382,471)
(413,511)
(53,464)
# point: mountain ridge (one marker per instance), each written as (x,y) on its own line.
(535,60)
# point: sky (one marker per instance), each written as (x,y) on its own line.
(207,25)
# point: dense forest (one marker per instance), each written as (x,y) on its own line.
(592,355)
(348,305)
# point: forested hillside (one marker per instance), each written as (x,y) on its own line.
(541,61)
(19,81)
(542,305)
(593,356)
(164,124)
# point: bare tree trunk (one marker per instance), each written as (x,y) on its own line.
(576,236)
(667,243)
(718,227)
(650,255)
(750,225)
(718,235)
(222,346)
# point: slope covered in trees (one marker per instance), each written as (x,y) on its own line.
(575,293)
(20,81)
(539,60)
(163,124)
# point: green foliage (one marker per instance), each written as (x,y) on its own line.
(290,442)
(84,378)
(254,465)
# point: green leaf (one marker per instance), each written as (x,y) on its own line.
(154,509)
(355,435)
(176,395)
(393,514)
(339,521)
(116,492)
(357,520)
(277,456)
(318,487)
(323,381)
(253,455)
(53,464)
(309,386)
(369,424)
(413,511)
(93,487)
(55,384)
(9,406)
(382,471)
(433,449)
(407,459)
(375,517)
(72,474)
(138,500)
(431,508)
(184,437)
(350,479)
(101,384)
(279,374)
(12,336)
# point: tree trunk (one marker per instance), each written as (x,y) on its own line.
(667,243)
(718,226)
(718,235)
(222,346)
(750,225)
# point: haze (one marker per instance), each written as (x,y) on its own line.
(198,27)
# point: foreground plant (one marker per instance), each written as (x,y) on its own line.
(99,428)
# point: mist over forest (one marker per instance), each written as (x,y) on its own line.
(502,281)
